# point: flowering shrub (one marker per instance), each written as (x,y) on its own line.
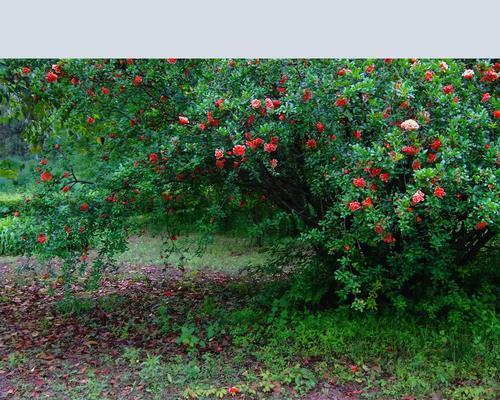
(390,165)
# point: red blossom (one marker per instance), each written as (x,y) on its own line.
(239,150)
(384,177)
(481,225)
(320,127)
(311,143)
(137,80)
(359,182)
(341,102)
(354,205)
(46,176)
(435,145)
(439,192)
(42,238)
(50,77)
(410,150)
(256,104)
(485,98)
(269,147)
(448,89)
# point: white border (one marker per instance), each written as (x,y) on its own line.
(249,28)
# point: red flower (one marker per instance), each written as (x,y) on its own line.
(84,207)
(486,97)
(233,390)
(306,96)
(489,76)
(57,68)
(448,89)
(137,80)
(104,90)
(375,171)
(370,69)
(431,157)
(410,150)
(168,293)
(354,205)
(65,189)
(354,368)
(359,182)
(320,127)
(74,81)
(210,119)
(173,237)
(439,192)
(341,102)
(219,154)
(26,70)
(41,238)
(153,158)
(220,163)
(435,145)
(384,177)
(416,165)
(357,134)
(90,120)
(183,120)
(429,75)
(269,147)
(50,77)
(256,104)
(239,150)
(218,102)
(389,238)
(418,197)
(468,74)
(311,143)
(368,202)
(379,229)
(46,176)
(347,247)
(43,161)
(496,114)
(172,60)
(274,163)
(65,174)
(481,225)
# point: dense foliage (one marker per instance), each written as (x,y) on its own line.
(389,168)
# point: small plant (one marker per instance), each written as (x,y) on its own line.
(188,338)
(131,355)
(153,375)
(16,360)
(300,378)
(162,320)
(74,305)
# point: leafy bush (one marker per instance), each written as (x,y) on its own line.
(390,167)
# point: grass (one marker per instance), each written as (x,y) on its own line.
(198,333)
(225,254)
